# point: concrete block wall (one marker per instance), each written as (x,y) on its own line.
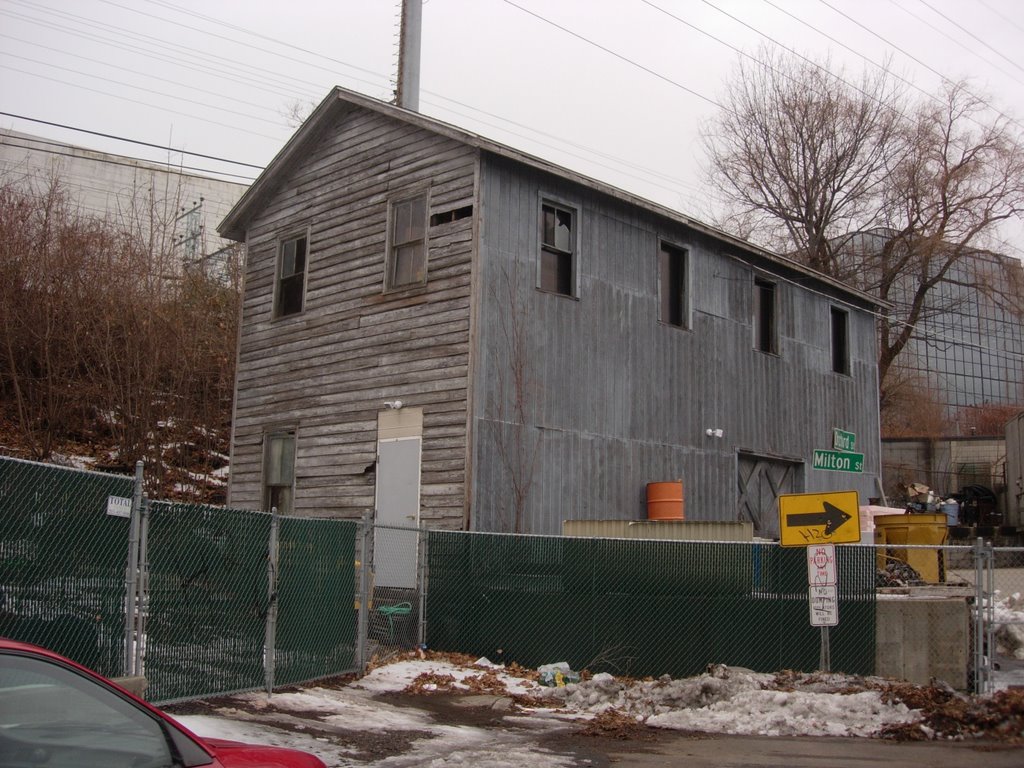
(920,638)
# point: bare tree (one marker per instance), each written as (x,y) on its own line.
(898,198)
(46,308)
(803,154)
(960,178)
(105,340)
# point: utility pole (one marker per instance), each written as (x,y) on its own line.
(407,94)
(190,241)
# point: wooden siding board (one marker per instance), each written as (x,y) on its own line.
(330,368)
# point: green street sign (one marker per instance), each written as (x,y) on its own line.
(838,461)
(843,441)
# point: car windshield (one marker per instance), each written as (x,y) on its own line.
(52,716)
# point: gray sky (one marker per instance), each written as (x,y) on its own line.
(219,76)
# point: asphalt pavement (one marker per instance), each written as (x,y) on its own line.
(806,752)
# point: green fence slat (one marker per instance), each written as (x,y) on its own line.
(317,614)
(62,561)
(641,607)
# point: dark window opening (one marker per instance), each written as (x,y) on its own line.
(446,217)
(764,316)
(407,262)
(672,285)
(557,250)
(291,281)
(840,341)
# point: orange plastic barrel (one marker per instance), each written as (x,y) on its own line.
(665,501)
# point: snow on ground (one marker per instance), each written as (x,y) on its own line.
(354,708)
(726,700)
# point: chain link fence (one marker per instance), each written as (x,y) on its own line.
(207,599)
(642,607)
(62,561)
(220,600)
(201,600)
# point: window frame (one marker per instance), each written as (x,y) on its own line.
(685,310)
(405,197)
(763,286)
(558,204)
(839,340)
(279,278)
(268,497)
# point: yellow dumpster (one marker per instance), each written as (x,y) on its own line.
(913,529)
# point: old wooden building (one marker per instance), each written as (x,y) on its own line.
(450,332)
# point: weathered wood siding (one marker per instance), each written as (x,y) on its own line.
(579,403)
(327,371)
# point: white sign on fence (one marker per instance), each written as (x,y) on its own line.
(822,593)
(119,507)
(821,565)
(824,606)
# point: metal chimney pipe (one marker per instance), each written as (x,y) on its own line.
(407,94)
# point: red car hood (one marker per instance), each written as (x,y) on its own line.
(235,754)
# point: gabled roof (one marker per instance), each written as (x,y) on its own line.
(340,100)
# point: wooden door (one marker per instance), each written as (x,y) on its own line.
(761,481)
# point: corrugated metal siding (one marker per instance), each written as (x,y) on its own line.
(614,399)
(683,530)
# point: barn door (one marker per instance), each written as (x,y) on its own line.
(761,481)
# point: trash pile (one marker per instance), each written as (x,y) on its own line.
(737,701)
(897,574)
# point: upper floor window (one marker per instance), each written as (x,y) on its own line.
(765,322)
(291,275)
(672,286)
(840,340)
(557,249)
(407,247)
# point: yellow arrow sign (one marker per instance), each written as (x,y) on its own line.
(819,518)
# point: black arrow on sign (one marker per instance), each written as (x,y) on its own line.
(831,517)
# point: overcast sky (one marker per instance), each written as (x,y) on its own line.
(616,89)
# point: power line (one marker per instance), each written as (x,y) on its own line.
(132,164)
(229,39)
(1001,15)
(150,90)
(968,32)
(915,59)
(222,64)
(132,141)
(902,7)
(163,108)
(80,57)
(128,33)
(578,156)
(291,46)
(617,55)
(172,6)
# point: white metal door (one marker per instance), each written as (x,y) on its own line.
(397,512)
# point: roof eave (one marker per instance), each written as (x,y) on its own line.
(234,225)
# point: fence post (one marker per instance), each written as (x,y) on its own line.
(142,602)
(131,574)
(990,615)
(363,620)
(421,612)
(984,615)
(270,640)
